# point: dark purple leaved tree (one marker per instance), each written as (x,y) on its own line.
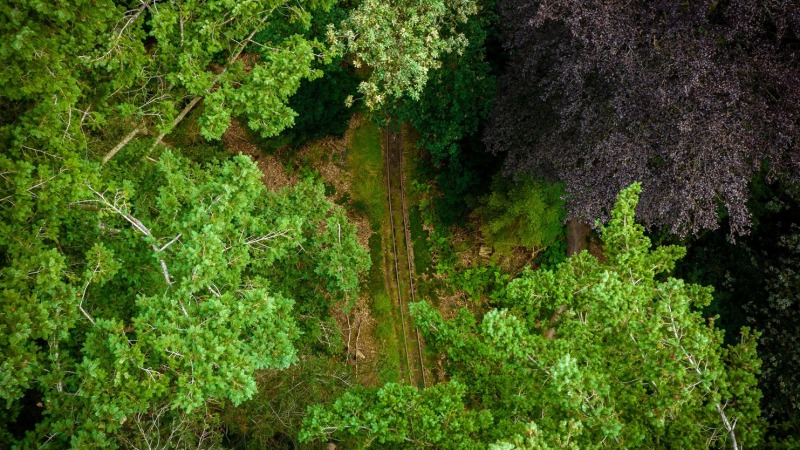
(689,97)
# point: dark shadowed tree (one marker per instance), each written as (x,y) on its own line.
(757,283)
(449,115)
(688,97)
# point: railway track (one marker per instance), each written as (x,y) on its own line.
(400,263)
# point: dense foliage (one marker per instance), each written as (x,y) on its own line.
(320,104)
(400,42)
(690,98)
(169,291)
(143,291)
(401,416)
(593,354)
(145,66)
(448,118)
(525,214)
(157,297)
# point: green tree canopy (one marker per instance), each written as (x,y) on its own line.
(401,416)
(140,290)
(447,117)
(401,42)
(526,213)
(596,353)
(168,293)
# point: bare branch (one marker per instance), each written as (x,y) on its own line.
(267,237)
(138,225)
(240,48)
(132,220)
(214,291)
(177,120)
(121,144)
(169,243)
(83,294)
(720,409)
(166,274)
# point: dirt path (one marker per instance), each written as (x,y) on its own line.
(399,261)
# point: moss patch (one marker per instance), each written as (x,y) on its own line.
(419,241)
(389,360)
(365,162)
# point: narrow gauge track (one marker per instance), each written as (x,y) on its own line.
(401,256)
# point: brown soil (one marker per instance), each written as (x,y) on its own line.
(275,175)
(328,156)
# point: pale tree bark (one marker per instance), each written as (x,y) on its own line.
(195,100)
(139,226)
(121,144)
(727,423)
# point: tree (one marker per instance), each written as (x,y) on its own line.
(755,283)
(142,70)
(448,115)
(144,291)
(166,297)
(524,214)
(598,353)
(401,416)
(690,98)
(400,42)
(148,66)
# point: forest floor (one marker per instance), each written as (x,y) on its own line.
(352,168)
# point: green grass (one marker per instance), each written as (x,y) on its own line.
(365,162)
(389,360)
(423,260)
(419,241)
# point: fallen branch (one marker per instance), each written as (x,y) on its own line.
(122,144)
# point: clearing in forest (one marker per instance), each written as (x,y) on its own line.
(364,172)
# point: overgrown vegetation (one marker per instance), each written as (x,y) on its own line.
(756,281)
(525,213)
(448,117)
(156,293)
(594,352)
(365,162)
